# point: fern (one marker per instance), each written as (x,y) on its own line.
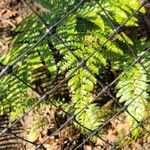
(82,32)
(134,93)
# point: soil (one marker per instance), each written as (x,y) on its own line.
(12,12)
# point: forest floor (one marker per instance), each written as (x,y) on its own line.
(12,12)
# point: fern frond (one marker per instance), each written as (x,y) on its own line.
(133,92)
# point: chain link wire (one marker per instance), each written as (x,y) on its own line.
(81,64)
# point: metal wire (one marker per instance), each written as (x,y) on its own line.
(81,64)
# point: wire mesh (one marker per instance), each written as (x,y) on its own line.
(5,70)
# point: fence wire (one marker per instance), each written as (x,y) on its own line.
(5,70)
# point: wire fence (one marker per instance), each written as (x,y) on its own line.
(81,64)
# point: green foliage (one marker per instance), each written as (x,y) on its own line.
(134,93)
(82,32)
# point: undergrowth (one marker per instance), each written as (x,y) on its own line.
(73,40)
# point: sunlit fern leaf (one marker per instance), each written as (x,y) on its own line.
(133,91)
(27,34)
(120,10)
(15,96)
(82,84)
